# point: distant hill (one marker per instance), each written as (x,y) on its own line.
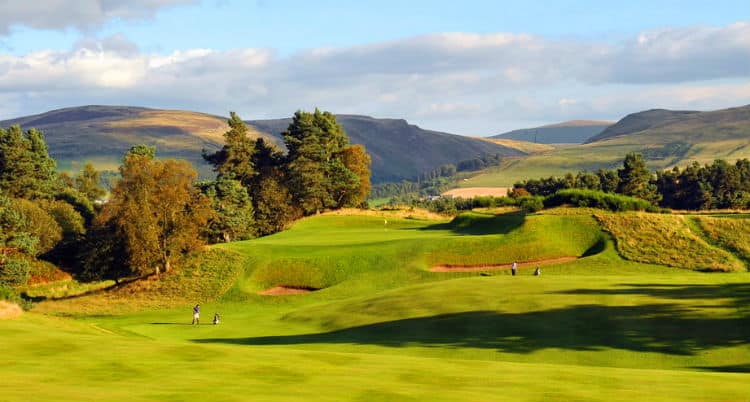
(102,134)
(400,150)
(665,138)
(569,132)
(692,126)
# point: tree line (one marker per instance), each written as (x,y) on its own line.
(157,212)
(717,185)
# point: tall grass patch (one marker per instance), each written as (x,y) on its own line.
(730,233)
(665,240)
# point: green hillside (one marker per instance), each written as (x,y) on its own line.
(665,138)
(569,132)
(384,327)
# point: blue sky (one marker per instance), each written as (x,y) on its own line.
(471,67)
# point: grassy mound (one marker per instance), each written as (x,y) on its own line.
(205,277)
(326,251)
(728,232)
(666,240)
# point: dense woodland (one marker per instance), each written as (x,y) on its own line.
(158,213)
(718,185)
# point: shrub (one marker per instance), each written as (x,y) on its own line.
(40,224)
(531,203)
(14,272)
(597,199)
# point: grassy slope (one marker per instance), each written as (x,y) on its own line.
(599,328)
(666,139)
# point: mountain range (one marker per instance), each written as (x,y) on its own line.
(102,134)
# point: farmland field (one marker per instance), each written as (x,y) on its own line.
(376,325)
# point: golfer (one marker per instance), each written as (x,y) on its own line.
(196,314)
(513,268)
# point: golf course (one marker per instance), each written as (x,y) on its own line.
(358,314)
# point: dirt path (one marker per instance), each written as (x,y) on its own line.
(484,267)
(285,290)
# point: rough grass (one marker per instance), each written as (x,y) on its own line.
(666,240)
(731,233)
(205,277)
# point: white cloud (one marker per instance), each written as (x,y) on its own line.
(80,14)
(470,83)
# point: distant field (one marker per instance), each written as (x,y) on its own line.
(384,328)
(471,192)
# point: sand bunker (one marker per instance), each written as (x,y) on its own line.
(9,310)
(286,290)
(485,267)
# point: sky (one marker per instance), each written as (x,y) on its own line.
(468,67)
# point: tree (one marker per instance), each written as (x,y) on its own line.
(233,219)
(26,169)
(636,179)
(273,203)
(88,183)
(357,160)
(316,174)
(157,210)
(234,160)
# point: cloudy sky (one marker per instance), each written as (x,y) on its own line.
(469,67)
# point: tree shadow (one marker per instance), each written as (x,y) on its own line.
(727,295)
(482,224)
(661,328)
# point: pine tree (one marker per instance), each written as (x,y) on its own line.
(636,179)
(234,160)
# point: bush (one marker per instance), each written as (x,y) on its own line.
(597,199)
(40,224)
(14,272)
(531,203)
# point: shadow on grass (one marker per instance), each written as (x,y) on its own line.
(171,323)
(482,224)
(730,294)
(660,328)
(737,368)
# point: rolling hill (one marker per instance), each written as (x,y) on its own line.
(102,134)
(665,138)
(569,132)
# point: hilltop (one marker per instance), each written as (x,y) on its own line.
(102,134)
(568,132)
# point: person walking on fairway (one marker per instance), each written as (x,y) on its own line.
(196,314)
(513,268)
(537,271)
(216,318)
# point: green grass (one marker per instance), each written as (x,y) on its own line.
(732,234)
(385,329)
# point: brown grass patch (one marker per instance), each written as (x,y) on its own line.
(285,290)
(471,192)
(9,310)
(484,267)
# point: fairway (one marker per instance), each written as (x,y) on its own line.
(382,327)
